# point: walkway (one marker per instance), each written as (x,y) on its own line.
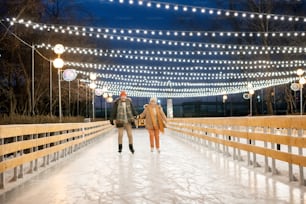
(183,173)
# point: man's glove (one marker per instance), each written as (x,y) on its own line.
(111,122)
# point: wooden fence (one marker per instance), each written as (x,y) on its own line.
(28,149)
(273,140)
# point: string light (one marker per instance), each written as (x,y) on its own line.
(176,69)
(97,31)
(148,87)
(224,12)
(186,81)
(149,82)
(118,53)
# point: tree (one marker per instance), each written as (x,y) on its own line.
(17,43)
(264,25)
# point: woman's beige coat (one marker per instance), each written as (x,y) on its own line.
(146,114)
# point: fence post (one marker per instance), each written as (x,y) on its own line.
(274,169)
(1,160)
(301,168)
(35,150)
(290,169)
(267,167)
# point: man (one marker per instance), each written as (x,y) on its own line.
(123,113)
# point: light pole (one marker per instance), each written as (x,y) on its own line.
(69,75)
(108,99)
(249,96)
(78,99)
(86,109)
(50,81)
(251,92)
(93,86)
(224,98)
(302,81)
(105,112)
(33,75)
(99,92)
(58,63)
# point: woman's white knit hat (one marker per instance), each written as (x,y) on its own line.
(153,99)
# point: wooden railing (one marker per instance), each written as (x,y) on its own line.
(275,141)
(27,149)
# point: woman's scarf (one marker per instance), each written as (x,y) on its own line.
(158,118)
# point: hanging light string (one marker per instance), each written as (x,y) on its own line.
(162,85)
(132,72)
(75,30)
(212,11)
(199,77)
(145,54)
(117,80)
(99,31)
(183,76)
(228,65)
(138,88)
(194,73)
(153,82)
(130,80)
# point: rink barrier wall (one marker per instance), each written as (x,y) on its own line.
(277,141)
(31,148)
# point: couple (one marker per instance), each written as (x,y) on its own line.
(123,116)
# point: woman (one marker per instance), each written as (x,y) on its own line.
(155,122)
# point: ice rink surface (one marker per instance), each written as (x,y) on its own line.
(183,173)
